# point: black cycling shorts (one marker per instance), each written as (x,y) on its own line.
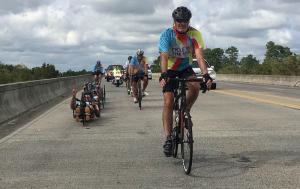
(97,73)
(138,76)
(171,85)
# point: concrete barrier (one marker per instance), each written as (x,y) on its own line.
(19,98)
(293,81)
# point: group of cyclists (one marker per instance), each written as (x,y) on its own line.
(89,105)
(177,47)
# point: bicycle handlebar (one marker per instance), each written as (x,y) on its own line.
(200,80)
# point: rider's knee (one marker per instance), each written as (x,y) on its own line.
(168,103)
(77,110)
(195,87)
(87,110)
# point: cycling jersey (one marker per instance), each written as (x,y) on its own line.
(180,47)
(139,65)
(98,69)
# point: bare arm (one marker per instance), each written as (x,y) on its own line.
(163,67)
(146,66)
(200,60)
(164,62)
(73,100)
(130,70)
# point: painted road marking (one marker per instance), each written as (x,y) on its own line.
(263,97)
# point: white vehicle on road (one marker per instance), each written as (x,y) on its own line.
(149,74)
(210,70)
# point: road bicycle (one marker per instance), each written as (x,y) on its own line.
(182,131)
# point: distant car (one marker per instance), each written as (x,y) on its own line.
(210,70)
(109,71)
(149,74)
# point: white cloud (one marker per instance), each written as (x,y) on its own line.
(281,36)
(74,34)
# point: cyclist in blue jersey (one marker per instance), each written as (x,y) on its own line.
(138,69)
(98,72)
(177,46)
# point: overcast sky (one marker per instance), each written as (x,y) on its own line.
(73,34)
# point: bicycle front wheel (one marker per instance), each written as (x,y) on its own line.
(186,143)
(140,94)
(175,141)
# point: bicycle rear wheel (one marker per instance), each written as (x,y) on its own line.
(140,94)
(187,142)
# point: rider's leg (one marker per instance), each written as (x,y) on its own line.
(192,94)
(134,88)
(77,113)
(145,83)
(87,113)
(167,115)
(167,122)
(100,78)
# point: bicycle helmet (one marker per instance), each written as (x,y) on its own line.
(139,52)
(182,14)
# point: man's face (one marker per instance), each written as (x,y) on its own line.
(181,26)
(139,57)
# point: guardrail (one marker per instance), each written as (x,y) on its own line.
(19,98)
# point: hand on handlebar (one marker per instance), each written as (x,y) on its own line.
(207,80)
(163,79)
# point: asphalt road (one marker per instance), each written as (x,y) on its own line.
(244,138)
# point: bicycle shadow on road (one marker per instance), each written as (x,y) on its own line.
(222,165)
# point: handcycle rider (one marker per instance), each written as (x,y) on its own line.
(177,45)
(138,69)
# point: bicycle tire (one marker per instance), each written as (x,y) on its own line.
(175,131)
(128,87)
(186,143)
(175,141)
(140,94)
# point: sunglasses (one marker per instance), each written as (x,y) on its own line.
(182,21)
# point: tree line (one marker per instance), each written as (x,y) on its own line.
(278,60)
(19,73)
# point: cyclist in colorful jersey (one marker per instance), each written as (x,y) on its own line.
(138,69)
(177,46)
(98,72)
